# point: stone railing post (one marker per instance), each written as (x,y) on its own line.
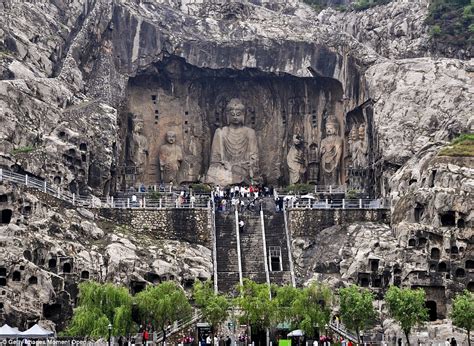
(327,203)
(44,186)
(161,203)
(128,202)
(343,203)
(59,192)
(330,189)
(1,174)
(112,201)
(360,203)
(26,179)
(144,202)
(73,199)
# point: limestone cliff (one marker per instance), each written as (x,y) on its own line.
(89,89)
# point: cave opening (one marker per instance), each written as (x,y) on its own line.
(153,278)
(411,242)
(442,267)
(3,271)
(3,198)
(469,264)
(33,280)
(422,241)
(52,263)
(435,253)
(52,311)
(460,273)
(419,210)
(85,275)
(432,310)
(16,276)
(470,286)
(461,223)
(454,250)
(448,219)
(173,95)
(364,280)
(188,283)
(6,216)
(3,281)
(137,286)
(374,265)
(67,267)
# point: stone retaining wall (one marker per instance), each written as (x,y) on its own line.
(304,222)
(191,225)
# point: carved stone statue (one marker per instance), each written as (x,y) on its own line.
(171,156)
(295,160)
(234,151)
(359,148)
(331,151)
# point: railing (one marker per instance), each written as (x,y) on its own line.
(179,325)
(341,330)
(312,203)
(328,189)
(144,201)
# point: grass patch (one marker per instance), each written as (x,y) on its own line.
(361,5)
(461,146)
(299,188)
(23,150)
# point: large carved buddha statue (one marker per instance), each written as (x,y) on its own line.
(331,151)
(170,156)
(234,151)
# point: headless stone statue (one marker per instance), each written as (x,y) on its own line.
(234,152)
(170,156)
(295,161)
(331,150)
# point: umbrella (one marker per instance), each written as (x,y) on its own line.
(289,197)
(36,332)
(8,332)
(296,332)
(308,197)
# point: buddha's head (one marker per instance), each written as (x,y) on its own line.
(171,137)
(235,112)
(332,126)
(297,140)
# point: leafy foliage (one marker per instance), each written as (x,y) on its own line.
(200,187)
(357,310)
(361,5)
(163,304)
(407,307)
(254,301)
(313,308)
(99,305)
(463,312)
(461,146)
(299,188)
(214,307)
(451,22)
(23,150)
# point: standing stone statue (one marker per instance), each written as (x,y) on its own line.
(331,151)
(295,161)
(359,148)
(171,156)
(234,151)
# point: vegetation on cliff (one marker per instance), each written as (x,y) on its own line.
(463,312)
(451,23)
(461,146)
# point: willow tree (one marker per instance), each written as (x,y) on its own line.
(313,308)
(100,305)
(257,308)
(357,309)
(463,312)
(407,307)
(214,307)
(162,305)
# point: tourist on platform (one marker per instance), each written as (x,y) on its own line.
(241,226)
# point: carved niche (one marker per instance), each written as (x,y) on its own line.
(296,160)
(170,158)
(331,154)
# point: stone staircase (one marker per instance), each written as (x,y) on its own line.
(251,247)
(226,250)
(276,237)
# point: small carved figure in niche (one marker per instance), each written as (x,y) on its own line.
(359,147)
(331,151)
(171,156)
(295,160)
(140,144)
(234,151)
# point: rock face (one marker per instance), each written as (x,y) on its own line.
(90,89)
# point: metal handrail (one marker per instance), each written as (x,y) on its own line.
(294,202)
(339,329)
(134,201)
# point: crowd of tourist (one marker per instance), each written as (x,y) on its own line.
(240,197)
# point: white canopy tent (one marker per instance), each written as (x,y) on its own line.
(8,332)
(36,332)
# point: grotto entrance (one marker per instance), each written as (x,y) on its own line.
(431,306)
(174,110)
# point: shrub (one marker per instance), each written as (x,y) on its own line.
(461,146)
(23,150)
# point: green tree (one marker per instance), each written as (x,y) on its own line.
(214,307)
(162,305)
(99,305)
(313,308)
(407,307)
(257,308)
(463,312)
(357,310)
(285,307)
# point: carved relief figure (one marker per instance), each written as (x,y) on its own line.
(313,163)
(331,151)
(234,151)
(359,151)
(295,160)
(140,145)
(171,156)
